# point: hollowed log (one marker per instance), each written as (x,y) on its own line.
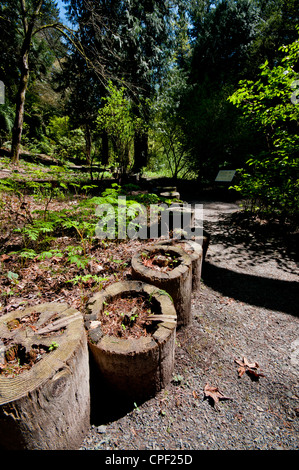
(133,368)
(177,282)
(195,251)
(46,406)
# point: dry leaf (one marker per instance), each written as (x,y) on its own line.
(215,394)
(4,257)
(249,368)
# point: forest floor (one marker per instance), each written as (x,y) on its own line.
(246,307)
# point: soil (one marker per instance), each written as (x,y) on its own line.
(17,360)
(127,317)
(245,310)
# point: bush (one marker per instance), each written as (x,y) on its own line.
(271,180)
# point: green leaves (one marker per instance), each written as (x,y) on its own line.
(272,176)
(118,120)
(13,277)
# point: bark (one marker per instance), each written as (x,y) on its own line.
(134,368)
(177,282)
(194,250)
(140,150)
(88,144)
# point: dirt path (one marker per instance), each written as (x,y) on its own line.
(247,307)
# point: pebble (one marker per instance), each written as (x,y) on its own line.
(101,429)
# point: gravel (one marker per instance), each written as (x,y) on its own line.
(247,306)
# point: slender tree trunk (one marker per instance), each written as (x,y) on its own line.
(105,148)
(141,139)
(140,150)
(20,105)
(88,144)
(24,79)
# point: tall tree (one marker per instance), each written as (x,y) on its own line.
(125,40)
(222,34)
(82,90)
(277,27)
(97,29)
(147,35)
(28,20)
(29,17)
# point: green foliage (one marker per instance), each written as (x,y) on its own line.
(68,143)
(87,279)
(271,180)
(58,127)
(118,120)
(168,134)
(6,121)
(13,277)
(121,207)
(53,346)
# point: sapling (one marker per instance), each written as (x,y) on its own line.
(53,346)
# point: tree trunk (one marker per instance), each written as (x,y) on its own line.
(105,148)
(140,150)
(135,369)
(87,144)
(177,282)
(24,79)
(20,104)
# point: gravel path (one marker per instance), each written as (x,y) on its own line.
(247,307)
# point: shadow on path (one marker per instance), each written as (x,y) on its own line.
(272,294)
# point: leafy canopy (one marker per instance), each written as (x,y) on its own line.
(270,105)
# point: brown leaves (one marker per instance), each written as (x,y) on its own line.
(214,394)
(4,258)
(248,368)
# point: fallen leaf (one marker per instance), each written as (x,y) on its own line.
(248,367)
(4,257)
(215,394)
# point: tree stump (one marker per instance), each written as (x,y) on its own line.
(169,192)
(44,379)
(175,221)
(133,368)
(177,282)
(194,250)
